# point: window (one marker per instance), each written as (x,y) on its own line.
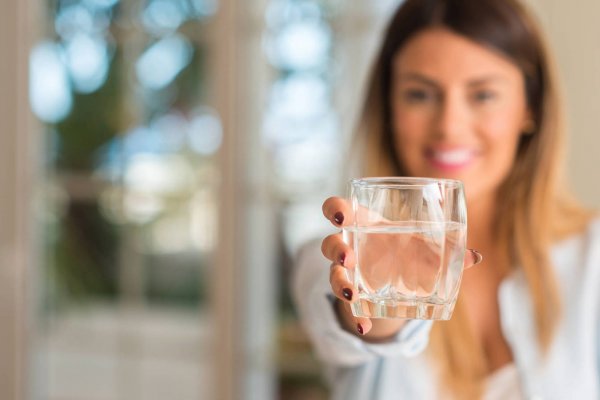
(188,145)
(130,198)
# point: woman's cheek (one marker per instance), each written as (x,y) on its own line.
(411,124)
(502,134)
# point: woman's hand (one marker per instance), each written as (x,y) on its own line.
(339,212)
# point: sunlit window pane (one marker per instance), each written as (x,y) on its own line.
(131,203)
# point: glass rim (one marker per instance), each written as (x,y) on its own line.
(403,182)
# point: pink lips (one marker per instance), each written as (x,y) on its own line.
(450,159)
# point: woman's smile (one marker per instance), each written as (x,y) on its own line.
(450,159)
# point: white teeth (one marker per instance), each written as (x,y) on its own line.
(452,156)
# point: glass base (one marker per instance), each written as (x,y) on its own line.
(402,309)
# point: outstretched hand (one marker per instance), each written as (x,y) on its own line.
(342,257)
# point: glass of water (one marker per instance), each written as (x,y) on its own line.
(409,239)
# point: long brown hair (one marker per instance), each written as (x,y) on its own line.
(534,209)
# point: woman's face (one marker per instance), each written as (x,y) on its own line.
(458,110)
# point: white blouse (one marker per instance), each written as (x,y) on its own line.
(400,369)
(503,384)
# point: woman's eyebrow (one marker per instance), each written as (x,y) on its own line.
(418,77)
(415,76)
(486,79)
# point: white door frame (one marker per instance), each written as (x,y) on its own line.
(245,275)
(16,184)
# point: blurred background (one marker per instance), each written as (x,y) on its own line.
(161,161)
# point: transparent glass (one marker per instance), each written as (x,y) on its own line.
(409,238)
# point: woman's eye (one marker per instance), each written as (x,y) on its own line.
(417,96)
(483,96)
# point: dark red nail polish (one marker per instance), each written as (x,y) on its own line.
(478,257)
(359,328)
(338,217)
(343,258)
(347,294)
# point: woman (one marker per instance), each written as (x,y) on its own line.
(464,89)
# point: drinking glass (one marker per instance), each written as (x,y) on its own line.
(409,239)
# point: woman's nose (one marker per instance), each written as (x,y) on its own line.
(452,117)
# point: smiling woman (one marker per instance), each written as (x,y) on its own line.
(117,183)
(458,110)
(466,90)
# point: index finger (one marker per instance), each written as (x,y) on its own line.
(472,258)
(338,210)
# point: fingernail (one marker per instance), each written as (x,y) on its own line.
(359,328)
(343,259)
(478,256)
(338,217)
(347,294)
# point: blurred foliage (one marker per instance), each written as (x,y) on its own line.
(85,253)
(95,119)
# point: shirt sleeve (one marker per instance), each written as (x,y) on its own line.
(314,302)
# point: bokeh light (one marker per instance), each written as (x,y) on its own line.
(162,61)
(87,61)
(163,16)
(49,89)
